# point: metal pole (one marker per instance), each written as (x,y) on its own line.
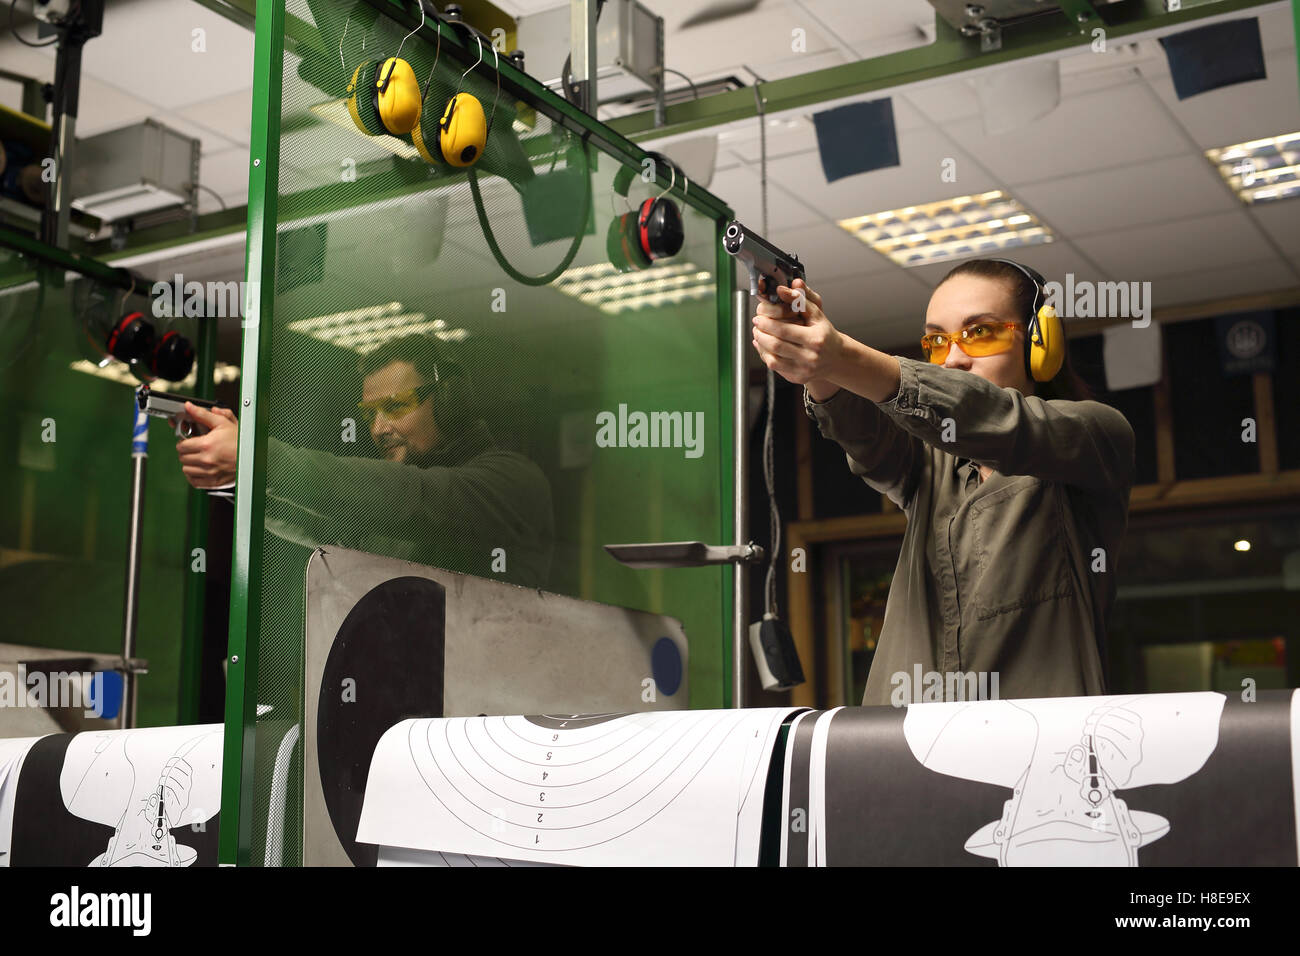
(67,86)
(740,495)
(139,459)
(582,47)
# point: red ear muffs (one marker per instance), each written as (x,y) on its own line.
(660,230)
(642,226)
(172,357)
(132,338)
(623,244)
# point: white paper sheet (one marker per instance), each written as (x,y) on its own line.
(1295,763)
(1065,762)
(817,789)
(666,788)
(12,753)
(144,783)
(787,787)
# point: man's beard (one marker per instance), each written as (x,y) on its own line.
(395,451)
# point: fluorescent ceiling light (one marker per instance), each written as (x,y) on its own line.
(364,330)
(1261,170)
(955,228)
(116,371)
(613,292)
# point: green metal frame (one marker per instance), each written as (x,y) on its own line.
(263,214)
(725,270)
(245,587)
(86,265)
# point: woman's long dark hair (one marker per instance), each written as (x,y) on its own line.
(1066,384)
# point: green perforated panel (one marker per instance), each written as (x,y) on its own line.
(539,455)
(65,479)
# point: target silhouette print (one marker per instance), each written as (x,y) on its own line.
(567,782)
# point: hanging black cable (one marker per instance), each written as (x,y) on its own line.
(573,247)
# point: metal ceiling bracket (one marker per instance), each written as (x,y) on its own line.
(990,35)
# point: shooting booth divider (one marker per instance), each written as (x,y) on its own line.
(570,403)
(70,411)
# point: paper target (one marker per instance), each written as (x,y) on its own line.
(575,788)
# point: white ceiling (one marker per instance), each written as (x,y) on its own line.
(1116,171)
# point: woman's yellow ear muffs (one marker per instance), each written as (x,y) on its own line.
(1046,345)
(384,97)
(462,132)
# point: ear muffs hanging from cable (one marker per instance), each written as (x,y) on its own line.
(384,95)
(131,339)
(654,230)
(1044,332)
(454,131)
(463,129)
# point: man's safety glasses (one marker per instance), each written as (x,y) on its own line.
(978,340)
(396,405)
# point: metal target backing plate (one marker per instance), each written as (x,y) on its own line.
(505,650)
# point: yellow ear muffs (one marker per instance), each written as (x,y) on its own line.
(463,130)
(1047,345)
(397,96)
(361,104)
(427,132)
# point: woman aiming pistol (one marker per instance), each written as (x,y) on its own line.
(1015,484)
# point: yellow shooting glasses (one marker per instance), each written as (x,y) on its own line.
(397,405)
(977,340)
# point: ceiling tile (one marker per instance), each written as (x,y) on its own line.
(146,50)
(921,153)
(229,115)
(1281,220)
(1096,129)
(104,107)
(740,188)
(1241,112)
(945,101)
(828,252)
(892,25)
(761,38)
(1175,248)
(1207,285)
(1090,203)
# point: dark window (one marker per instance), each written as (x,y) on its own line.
(1207,405)
(1286,388)
(1136,404)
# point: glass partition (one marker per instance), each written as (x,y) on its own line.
(573,405)
(66,480)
